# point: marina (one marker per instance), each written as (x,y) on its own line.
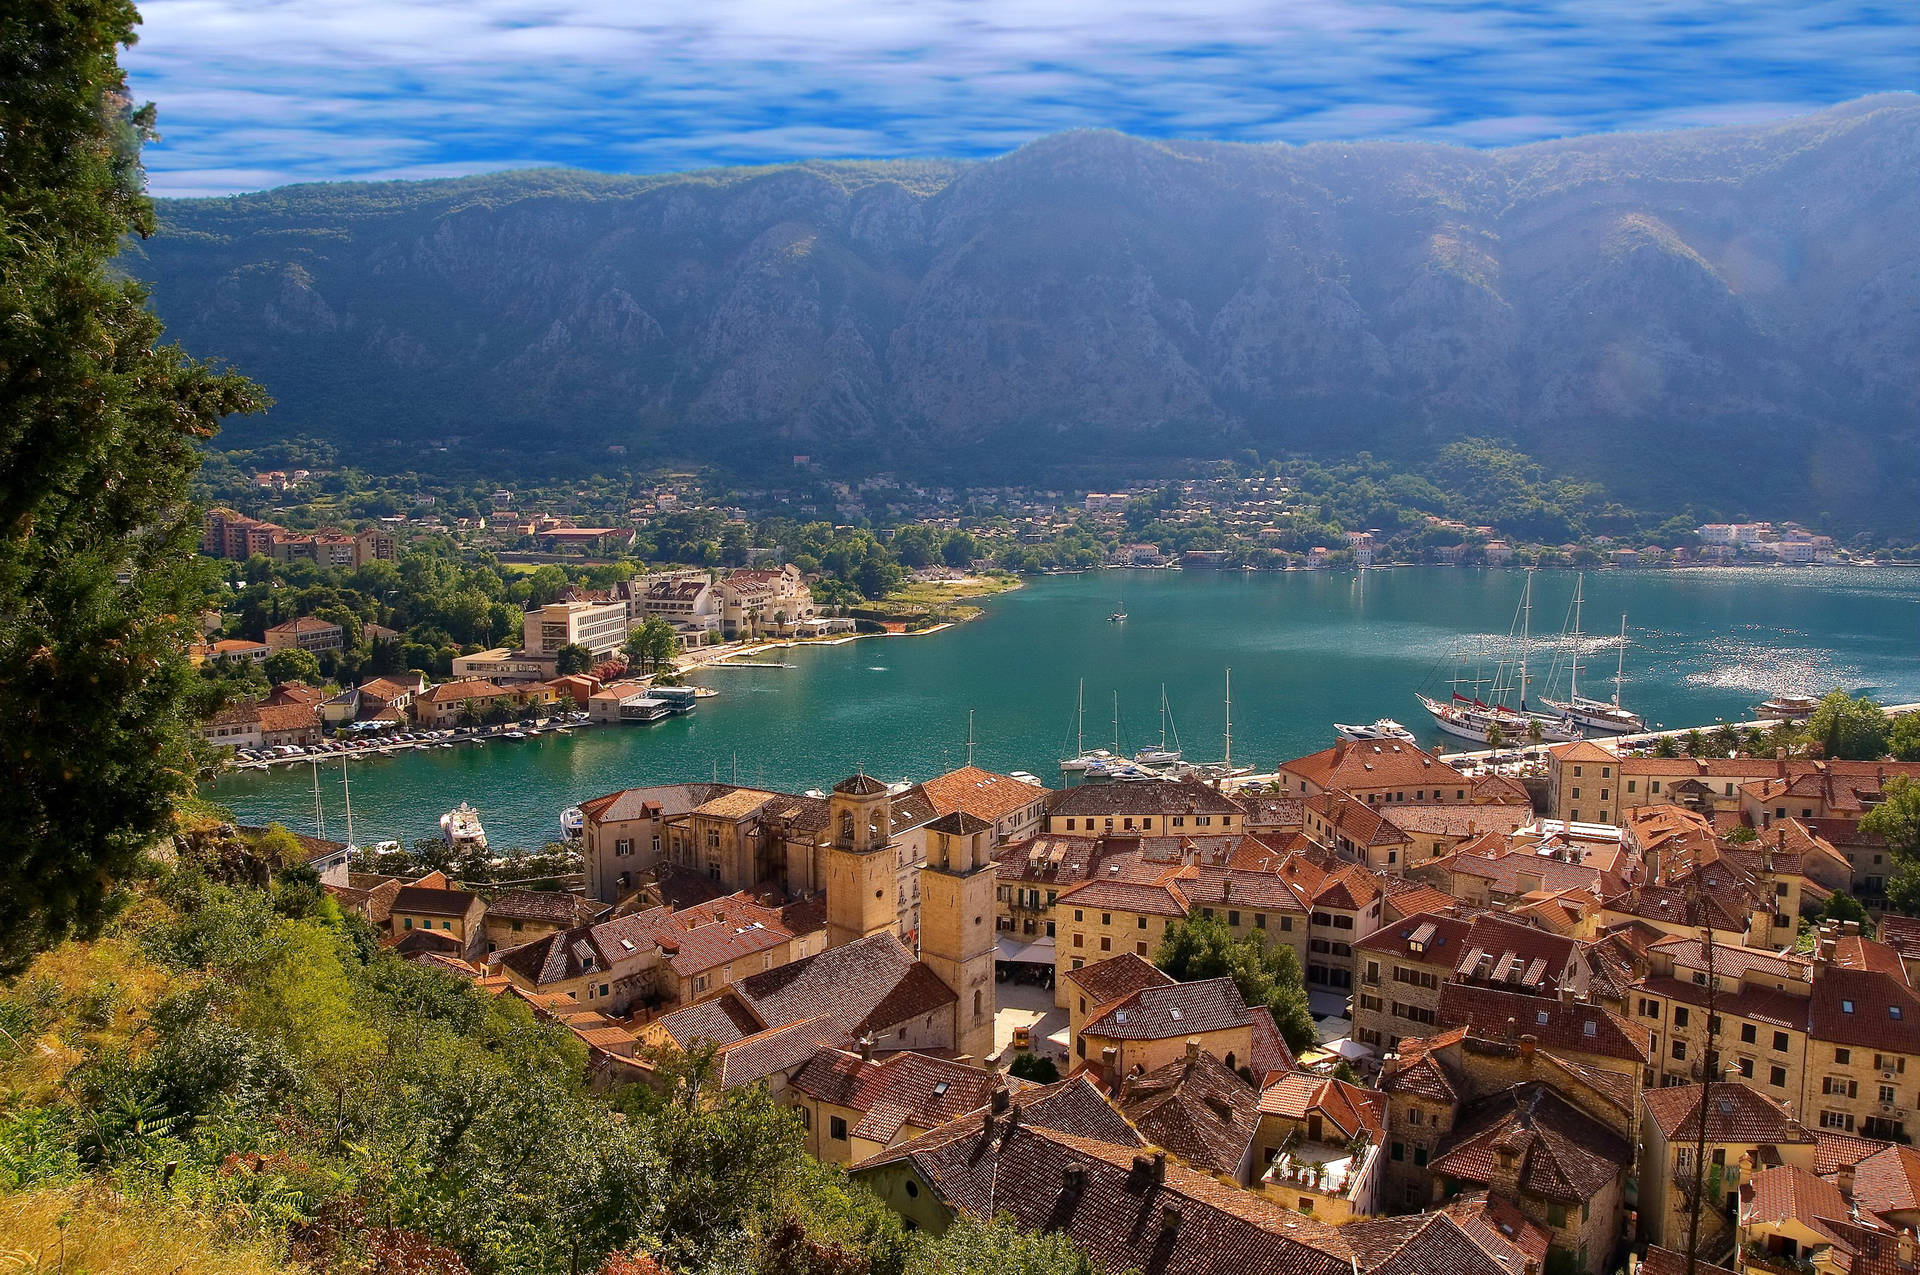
(1307,649)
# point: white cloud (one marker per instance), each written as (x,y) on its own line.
(264,91)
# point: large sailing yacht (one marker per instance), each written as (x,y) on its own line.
(1470,717)
(1085,759)
(1598,714)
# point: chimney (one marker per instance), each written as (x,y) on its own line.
(1844,1180)
(866,1047)
(1226,888)
(1193,1049)
(1527,1042)
(1002,1101)
(1170,1216)
(1073,1178)
(1159,1166)
(1905,1247)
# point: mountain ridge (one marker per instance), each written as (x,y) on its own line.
(1728,317)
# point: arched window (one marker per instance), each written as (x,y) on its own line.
(976,1002)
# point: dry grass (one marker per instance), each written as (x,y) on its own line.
(89,1231)
(92,997)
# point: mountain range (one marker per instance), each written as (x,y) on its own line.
(1726,319)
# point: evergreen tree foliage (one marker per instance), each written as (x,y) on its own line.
(98,426)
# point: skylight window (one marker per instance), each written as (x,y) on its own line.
(1846,1007)
(1540,1017)
(1176,1013)
(1587,1028)
(1893,1011)
(940,1088)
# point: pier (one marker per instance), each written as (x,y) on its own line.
(1614,743)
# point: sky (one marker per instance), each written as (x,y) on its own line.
(260,93)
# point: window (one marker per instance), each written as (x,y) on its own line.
(1078,915)
(1419,1155)
(1106,918)
(1140,949)
(1106,944)
(1141,922)
(1748,1035)
(1556,1215)
(1680,1049)
(1886,1093)
(1779,1042)
(1843,1056)
(837,1128)
(1746,1068)
(1079,940)
(1233,917)
(1680,1015)
(1399,1151)
(1259,920)
(1836,1120)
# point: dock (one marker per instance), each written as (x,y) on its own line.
(1614,743)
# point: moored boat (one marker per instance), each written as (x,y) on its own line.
(1599,714)
(1380,728)
(1787,708)
(573,822)
(460,829)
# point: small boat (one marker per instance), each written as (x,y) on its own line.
(1162,755)
(1083,757)
(1025,778)
(1118,617)
(573,822)
(1381,728)
(1787,708)
(460,829)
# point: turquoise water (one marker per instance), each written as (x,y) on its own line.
(1306,649)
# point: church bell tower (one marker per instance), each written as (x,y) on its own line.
(859,876)
(956,923)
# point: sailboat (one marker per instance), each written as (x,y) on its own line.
(1592,712)
(1082,759)
(1224,768)
(1162,755)
(1470,717)
(1119,615)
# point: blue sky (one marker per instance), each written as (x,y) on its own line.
(259,93)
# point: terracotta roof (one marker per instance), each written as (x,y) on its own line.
(1568,1026)
(1564,1154)
(427,901)
(1152,797)
(1123,1212)
(1354,1111)
(1234,888)
(1117,978)
(1196,1108)
(1835,1151)
(722,1020)
(1414,898)
(872,984)
(305,624)
(1355,820)
(1789,1192)
(1865,1009)
(740,803)
(1664,1261)
(633,803)
(1457,820)
(1902,934)
(1439,1244)
(1888,1181)
(980,793)
(1365,764)
(1738,1113)
(860,785)
(1349,888)
(1178,1009)
(779,1048)
(550,906)
(465,689)
(898,1090)
(1854,952)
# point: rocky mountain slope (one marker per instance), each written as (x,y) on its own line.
(1730,311)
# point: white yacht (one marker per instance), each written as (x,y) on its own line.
(1381,728)
(1085,758)
(1787,708)
(460,828)
(1162,755)
(573,822)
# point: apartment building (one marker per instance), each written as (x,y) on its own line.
(306,634)
(600,627)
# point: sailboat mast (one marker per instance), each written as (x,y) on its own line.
(319,811)
(969,737)
(1116,723)
(1573,677)
(1229,758)
(1080,717)
(1163,717)
(1526,635)
(346,788)
(1620,668)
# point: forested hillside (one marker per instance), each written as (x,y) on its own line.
(1727,313)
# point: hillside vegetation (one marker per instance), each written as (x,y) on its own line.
(237,1079)
(1729,312)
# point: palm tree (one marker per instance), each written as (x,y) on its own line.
(1496,737)
(1536,733)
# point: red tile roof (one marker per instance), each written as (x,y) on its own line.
(1178,1009)
(1564,1154)
(980,793)
(1865,1009)
(1738,1113)
(1197,1109)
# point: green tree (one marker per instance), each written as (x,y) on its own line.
(1903,737)
(1041,1071)
(1896,821)
(98,429)
(572,658)
(1198,948)
(293,665)
(1849,729)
